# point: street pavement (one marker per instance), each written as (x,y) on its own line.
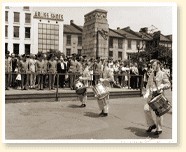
(66,120)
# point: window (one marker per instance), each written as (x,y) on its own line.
(79,51)
(27,49)
(119,55)
(68,39)
(16,48)
(16,17)
(6,16)
(26,7)
(6,30)
(120,43)
(16,31)
(27,18)
(80,40)
(129,44)
(48,37)
(137,43)
(110,53)
(111,42)
(128,56)
(68,53)
(6,47)
(27,32)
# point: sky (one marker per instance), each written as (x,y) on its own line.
(136,16)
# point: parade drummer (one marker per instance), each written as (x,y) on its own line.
(157,83)
(85,77)
(107,78)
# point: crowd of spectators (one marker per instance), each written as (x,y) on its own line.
(40,71)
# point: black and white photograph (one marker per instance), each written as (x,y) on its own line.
(89,72)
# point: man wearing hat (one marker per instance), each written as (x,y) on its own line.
(157,83)
(8,65)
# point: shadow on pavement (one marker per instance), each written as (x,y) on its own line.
(141,132)
(74,106)
(91,114)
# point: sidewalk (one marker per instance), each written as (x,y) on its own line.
(63,93)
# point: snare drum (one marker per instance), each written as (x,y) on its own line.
(100,91)
(80,89)
(160,105)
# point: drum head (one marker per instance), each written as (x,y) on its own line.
(81,90)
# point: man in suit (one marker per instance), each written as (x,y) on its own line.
(157,83)
(8,65)
(61,68)
(14,64)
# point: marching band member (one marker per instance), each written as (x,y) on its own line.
(107,78)
(85,77)
(157,82)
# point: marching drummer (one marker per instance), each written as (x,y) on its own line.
(157,83)
(107,78)
(85,77)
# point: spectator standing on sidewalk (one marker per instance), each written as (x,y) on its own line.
(8,65)
(14,64)
(24,68)
(52,68)
(40,70)
(32,67)
(45,71)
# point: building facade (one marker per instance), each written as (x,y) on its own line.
(28,31)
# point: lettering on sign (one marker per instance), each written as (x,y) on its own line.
(48,16)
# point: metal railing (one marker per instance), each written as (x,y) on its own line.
(140,86)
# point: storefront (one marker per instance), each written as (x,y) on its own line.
(28,31)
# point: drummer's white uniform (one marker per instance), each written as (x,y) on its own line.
(86,73)
(162,82)
(104,103)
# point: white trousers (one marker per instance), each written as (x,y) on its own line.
(83,97)
(104,104)
(149,118)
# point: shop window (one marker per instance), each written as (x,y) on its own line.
(68,53)
(16,31)
(120,43)
(48,36)
(110,53)
(16,49)
(80,40)
(79,51)
(110,42)
(27,32)
(27,49)
(6,30)
(6,47)
(6,16)
(119,55)
(68,39)
(129,44)
(16,16)
(27,18)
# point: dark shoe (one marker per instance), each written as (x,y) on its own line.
(157,132)
(151,128)
(83,105)
(6,89)
(104,115)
